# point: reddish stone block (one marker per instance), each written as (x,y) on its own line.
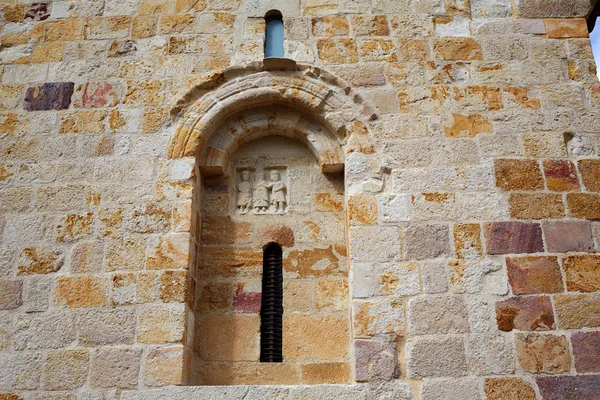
(565,236)
(375,361)
(561,175)
(37,12)
(518,175)
(245,301)
(525,313)
(569,387)
(584,205)
(582,273)
(11,294)
(98,94)
(49,96)
(513,238)
(532,275)
(586,350)
(590,174)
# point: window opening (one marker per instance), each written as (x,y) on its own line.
(274,34)
(271,310)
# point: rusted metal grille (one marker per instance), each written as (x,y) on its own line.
(271,310)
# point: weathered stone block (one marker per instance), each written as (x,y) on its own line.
(513,237)
(444,389)
(66,370)
(144,93)
(125,255)
(518,174)
(177,23)
(73,227)
(163,366)
(375,361)
(107,27)
(86,257)
(437,315)
(378,317)
(50,330)
(325,373)
(436,357)
(586,351)
(13,13)
(553,8)
(20,371)
(97,95)
(63,30)
(337,51)
(457,48)
(47,52)
(491,355)
(536,205)
(426,241)
(330,26)
(525,313)
(566,236)
(324,338)
(49,96)
(11,294)
(582,273)
(584,205)
(115,368)
(467,241)
(567,28)
(375,243)
(37,294)
(543,353)
(508,389)
(104,327)
(569,387)
(578,311)
(143,26)
(173,286)
(331,295)
(590,174)
(161,324)
(362,210)
(533,275)
(80,291)
(434,277)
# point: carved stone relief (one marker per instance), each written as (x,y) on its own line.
(262,191)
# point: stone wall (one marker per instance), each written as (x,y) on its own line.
(468,134)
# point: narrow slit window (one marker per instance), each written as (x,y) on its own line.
(274,35)
(271,310)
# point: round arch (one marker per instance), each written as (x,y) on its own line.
(273,97)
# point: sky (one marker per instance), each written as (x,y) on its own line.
(595,39)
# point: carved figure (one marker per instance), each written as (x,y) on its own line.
(261,196)
(244,202)
(277,192)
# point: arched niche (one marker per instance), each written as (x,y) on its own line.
(301,122)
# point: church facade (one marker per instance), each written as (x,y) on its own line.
(299,199)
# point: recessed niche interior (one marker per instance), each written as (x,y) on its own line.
(273,194)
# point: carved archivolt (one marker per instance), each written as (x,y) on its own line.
(274,97)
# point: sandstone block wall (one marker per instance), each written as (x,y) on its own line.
(468,134)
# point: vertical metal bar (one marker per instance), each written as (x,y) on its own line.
(271,311)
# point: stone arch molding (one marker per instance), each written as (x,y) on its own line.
(273,97)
